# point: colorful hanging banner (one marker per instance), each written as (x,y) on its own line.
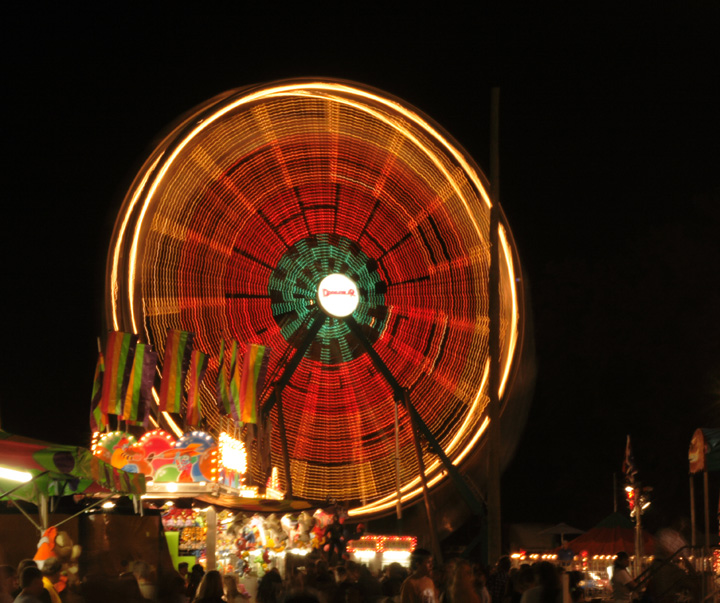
(139,389)
(118,363)
(235,383)
(175,365)
(98,419)
(253,378)
(198,366)
(222,393)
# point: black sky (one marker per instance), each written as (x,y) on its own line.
(610,157)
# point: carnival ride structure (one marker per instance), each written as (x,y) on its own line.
(256,197)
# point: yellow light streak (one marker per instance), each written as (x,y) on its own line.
(178,432)
(514,316)
(116,253)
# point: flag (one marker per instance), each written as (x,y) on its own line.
(175,365)
(253,377)
(140,384)
(235,383)
(198,366)
(629,468)
(119,352)
(222,393)
(98,419)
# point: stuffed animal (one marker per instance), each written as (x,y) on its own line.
(275,531)
(58,546)
(304,528)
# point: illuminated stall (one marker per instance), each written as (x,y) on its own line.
(379,551)
(195,466)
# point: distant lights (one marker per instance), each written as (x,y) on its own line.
(381,544)
(534,556)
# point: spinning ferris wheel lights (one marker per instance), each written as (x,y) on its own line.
(254,199)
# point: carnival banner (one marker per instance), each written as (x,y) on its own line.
(198,366)
(98,419)
(235,383)
(253,377)
(139,389)
(119,352)
(178,346)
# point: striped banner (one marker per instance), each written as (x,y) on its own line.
(98,419)
(118,362)
(175,365)
(139,391)
(222,393)
(235,383)
(253,378)
(198,366)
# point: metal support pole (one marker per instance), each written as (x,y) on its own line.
(475,505)
(211,540)
(693,527)
(429,511)
(43,511)
(294,362)
(638,532)
(493,496)
(276,395)
(706,550)
(398,509)
(283,441)
(24,512)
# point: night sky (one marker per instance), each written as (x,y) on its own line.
(610,179)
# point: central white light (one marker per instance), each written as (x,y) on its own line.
(338,295)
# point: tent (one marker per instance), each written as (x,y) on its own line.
(562,529)
(613,534)
(35,471)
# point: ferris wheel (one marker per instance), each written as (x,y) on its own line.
(257,197)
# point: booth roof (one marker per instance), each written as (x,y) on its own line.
(613,534)
(256,505)
(60,470)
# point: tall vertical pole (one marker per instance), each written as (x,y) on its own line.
(43,512)
(426,493)
(211,538)
(493,498)
(398,509)
(638,531)
(706,550)
(693,538)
